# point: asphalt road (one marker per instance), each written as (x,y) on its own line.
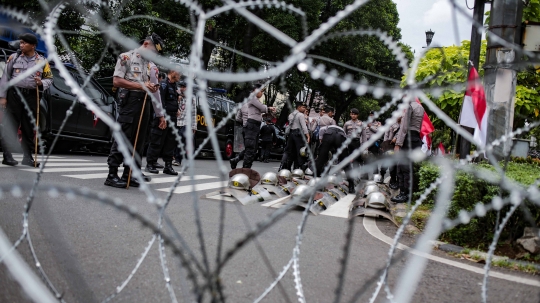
(89,249)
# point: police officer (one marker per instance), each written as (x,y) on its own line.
(163,141)
(16,114)
(353,130)
(298,128)
(408,138)
(253,124)
(132,75)
(181,120)
(369,131)
(241,117)
(331,138)
(389,142)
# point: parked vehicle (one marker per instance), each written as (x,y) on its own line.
(82,129)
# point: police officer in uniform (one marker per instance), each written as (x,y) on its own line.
(132,74)
(369,131)
(253,125)
(163,141)
(16,114)
(331,138)
(390,138)
(350,127)
(408,138)
(241,117)
(298,128)
(181,120)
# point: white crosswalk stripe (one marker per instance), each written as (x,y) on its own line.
(57,160)
(198,187)
(66,169)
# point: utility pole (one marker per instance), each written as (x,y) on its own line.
(501,70)
(474,57)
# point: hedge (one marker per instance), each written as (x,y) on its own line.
(470,190)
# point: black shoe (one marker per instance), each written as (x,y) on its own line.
(401,198)
(29,162)
(151,168)
(393,185)
(234,162)
(266,161)
(169,169)
(132,183)
(146,178)
(158,165)
(351,188)
(10,161)
(113,180)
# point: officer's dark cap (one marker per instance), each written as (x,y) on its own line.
(328,109)
(29,38)
(354,111)
(371,112)
(300,103)
(157,41)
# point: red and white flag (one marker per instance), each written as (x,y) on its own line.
(425,131)
(442,151)
(474,109)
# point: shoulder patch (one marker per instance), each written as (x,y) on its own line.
(124,58)
(163,85)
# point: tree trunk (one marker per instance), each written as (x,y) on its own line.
(343,106)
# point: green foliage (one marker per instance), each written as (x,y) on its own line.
(531,11)
(469,191)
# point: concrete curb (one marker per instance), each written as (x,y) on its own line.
(451,248)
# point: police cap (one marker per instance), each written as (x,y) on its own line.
(355,111)
(29,38)
(328,109)
(371,112)
(157,41)
(299,103)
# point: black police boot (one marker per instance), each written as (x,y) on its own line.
(133,182)
(29,161)
(151,168)
(403,197)
(169,169)
(351,187)
(158,165)
(113,180)
(8,160)
(234,161)
(393,185)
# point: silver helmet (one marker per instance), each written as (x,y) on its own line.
(313,182)
(269,178)
(371,189)
(378,178)
(239,181)
(298,173)
(309,172)
(334,180)
(370,182)
(304,152)
(301,190)
(285,173)
(376,200)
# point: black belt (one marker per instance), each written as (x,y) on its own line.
(25,91)
(137,93)
(253,121)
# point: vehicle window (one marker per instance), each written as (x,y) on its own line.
(225,106)
(59,82)
(217,105)
(211,103)
(90,89)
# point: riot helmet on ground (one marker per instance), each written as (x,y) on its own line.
(378,178)
(376,200)
(269,178)
(285,173)
(239,181)
(371,189)
(298,173)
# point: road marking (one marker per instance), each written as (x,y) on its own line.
(74,164)
(275,202)
(198,187)
(156,180)
(340,209)
(371,226)
(39,156)
(65,169)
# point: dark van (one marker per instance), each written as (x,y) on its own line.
(220,107)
